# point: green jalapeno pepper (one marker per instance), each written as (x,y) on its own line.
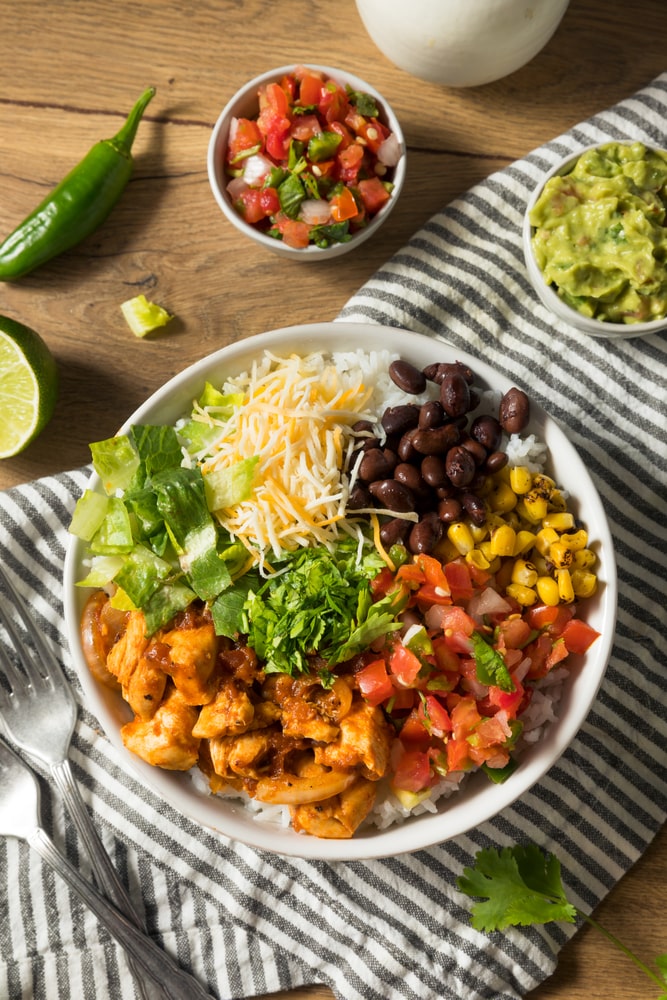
(78,205)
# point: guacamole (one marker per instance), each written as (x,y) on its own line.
(599,233)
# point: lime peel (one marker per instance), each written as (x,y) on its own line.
(143,316)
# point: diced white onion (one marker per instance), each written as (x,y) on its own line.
(487,602)
(315,212)
(236,187)
(389,151)
(255,169)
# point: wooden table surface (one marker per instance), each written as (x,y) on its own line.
(69,73)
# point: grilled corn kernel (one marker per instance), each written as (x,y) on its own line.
(543,483)
(559,521)
(524,573)
(544,539)
(560,555)
(584,583)
(523,595)
(557,500)
(479,532)
(524,542)
(521,479)
(477,558)
(503,541)
(461,538)
(540,564)
(584,558)
(535,506)
(565,588)
(493,560)
(503,498)
(575,540)
(547,591)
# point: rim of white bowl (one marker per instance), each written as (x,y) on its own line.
(246,98)
(478,800)
(546,293)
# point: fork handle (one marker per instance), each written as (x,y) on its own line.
(105,873)
(154,962)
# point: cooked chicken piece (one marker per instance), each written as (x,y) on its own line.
(310,710)
(166,740)
(229,714)
(140,676)
(266,713)
(125,654)
(245,756)
(302,718)
(191,662)
(364,742)
(145,688)
(338,817)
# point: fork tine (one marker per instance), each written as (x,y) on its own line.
(49,663)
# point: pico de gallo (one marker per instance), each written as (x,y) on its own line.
(316,163)
(455,683)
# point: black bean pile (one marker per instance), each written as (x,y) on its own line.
(435,457)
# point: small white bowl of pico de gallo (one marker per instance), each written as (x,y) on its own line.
(308,161)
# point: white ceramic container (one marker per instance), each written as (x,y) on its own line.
(461,43)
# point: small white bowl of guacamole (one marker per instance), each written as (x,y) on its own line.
(595,240)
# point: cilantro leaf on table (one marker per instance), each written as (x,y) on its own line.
(521,885)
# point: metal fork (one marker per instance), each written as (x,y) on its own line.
(20,817)
(39,714)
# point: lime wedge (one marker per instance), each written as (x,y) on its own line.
(28,386)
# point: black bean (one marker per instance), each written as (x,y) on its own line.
(435,440)
(393,495)
(474,507)
(376,464)
(425,535)
(394,531)
(411,477)
(406,449)
(450,510)
(431,415)
(455,395)
(401,418)
(514,411)
(487,430)
(460,466)
(477,450)
(359,498)
(433,470)
(497,460)
(407,377)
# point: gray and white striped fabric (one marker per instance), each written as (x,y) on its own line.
(246,922)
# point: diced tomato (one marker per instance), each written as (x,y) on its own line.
(413,771)
(310,89)
(578,636)
(295,234)
(404,665)
(457,627)
(343,205)
(346,136)
(249,206)
(514,633)
(465,717)
(304,127)
(414,733)
(458,756)
(269,201)
(349,162)
(551,618)
(445,658)
(437,717)
(538,652)
(507,701)
(333,103)
(373,194)
(458,578)
(375,683)
(429,594)
(245,137)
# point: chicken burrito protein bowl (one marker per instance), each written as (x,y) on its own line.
(336,586)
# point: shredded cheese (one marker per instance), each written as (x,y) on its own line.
(297,416)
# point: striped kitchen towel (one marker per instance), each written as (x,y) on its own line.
(246,922)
